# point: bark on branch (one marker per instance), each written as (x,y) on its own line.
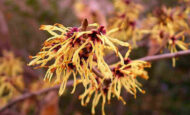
(165,56)
(31,94)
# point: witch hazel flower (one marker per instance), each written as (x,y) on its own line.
(75,50)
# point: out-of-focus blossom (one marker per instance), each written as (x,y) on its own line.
(167,28)
(11,80)
(10,65)
(90,10)
(125,21)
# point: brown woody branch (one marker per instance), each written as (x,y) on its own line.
(148,58)
(97,72)
(29,95)
(165,56)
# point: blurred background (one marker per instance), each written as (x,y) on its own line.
(167,89)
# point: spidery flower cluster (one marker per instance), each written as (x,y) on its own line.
(10,77)
(124,76)
(168,27)
(72,51)
(124,23)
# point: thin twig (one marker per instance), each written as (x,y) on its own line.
(28,95)
(165,56)
(97,72)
